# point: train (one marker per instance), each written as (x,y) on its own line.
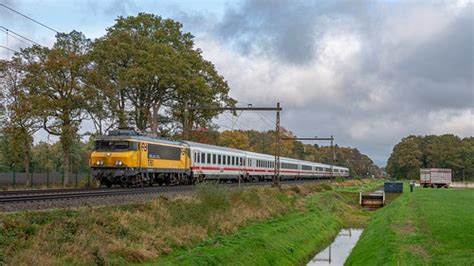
(127,158)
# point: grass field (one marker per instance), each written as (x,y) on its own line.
(426,227)
(288,240)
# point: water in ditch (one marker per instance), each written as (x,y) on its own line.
(338,251)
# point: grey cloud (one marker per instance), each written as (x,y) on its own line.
(407,73)
(284,28)
(121,7)
(447,56)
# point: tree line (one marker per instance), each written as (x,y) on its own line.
(430,151)
(46,157)
(140,73)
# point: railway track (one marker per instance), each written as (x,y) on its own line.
(25,196)
(64,195)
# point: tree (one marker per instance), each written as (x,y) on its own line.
(55,80)
(20,116)
(405,160)
(152,67)
(445,151)
(466,154)
(234,139)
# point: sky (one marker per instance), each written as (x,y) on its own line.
(367,72)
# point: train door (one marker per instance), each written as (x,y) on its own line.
(143,160)
(186,153)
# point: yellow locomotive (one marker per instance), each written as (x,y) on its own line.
(126,158)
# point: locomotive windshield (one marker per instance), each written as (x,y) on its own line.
(115,145)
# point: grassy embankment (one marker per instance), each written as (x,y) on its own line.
(285,225)
(287,240)
(428,226)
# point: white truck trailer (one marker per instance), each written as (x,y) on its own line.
(435,177)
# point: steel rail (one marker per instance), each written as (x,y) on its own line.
(50,190)
(74,195)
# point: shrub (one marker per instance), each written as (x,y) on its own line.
(213,196)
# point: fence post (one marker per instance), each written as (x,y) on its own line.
(14,178)
(31,179)
(76,179)
(62,179)
(47,178)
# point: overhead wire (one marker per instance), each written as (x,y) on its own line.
(13,36)
(241,124)
(28,17)
(262,117)
(19,35)
(12,50)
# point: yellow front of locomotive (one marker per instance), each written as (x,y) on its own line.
(114,159)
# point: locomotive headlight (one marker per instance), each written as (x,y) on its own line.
(99,162)
(118,163)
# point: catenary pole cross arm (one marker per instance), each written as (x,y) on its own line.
(212,108)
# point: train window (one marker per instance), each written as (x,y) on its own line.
(208,158)
(106,145)
(133,146)
(164,152)
(203,157)
(219,159)
(223,160)
(214,159)
(240,160)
